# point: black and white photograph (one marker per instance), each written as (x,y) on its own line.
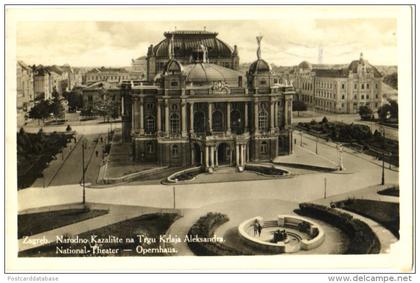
(256,133)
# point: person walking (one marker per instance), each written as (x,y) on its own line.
(259,229)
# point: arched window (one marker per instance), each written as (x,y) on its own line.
(174,121)
(217,121)
(199,122)
(150,125)
(264,147)
(174,150)
(263,120)
(236,122)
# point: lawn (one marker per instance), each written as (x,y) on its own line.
(35,223)
(393,192)
(385,213)
(151,226)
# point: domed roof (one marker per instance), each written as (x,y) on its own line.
(259,66)
(305,65)
(355,63)
(184,42)
(205,72)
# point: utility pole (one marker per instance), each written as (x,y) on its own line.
(173,191)
(325,187)
(83,172)
(383,158)
(316,145)
(301,142)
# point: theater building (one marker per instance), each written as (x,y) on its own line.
(200,113)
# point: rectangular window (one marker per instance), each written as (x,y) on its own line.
(363,86)
(367,86)
(363,97)
(342,97)
(367,96)
(342,86)
(355,86)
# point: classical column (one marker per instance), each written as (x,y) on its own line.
(184,118)
(286,109)
(191,117)
(247,153)
(272,126)
(158,117)
(228,118)
(141,116)
(243,155)
(210,115)
(135,114)
(256,116)
(206,156)
(276,114)
(216,157)
(237,155)
(246,115)
(192,155)
(211,156)
(166,117)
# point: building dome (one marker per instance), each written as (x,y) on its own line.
(259,66)
(184,42)
(208,73)
(305,65)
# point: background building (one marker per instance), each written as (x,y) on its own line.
(24,87)
(339,90)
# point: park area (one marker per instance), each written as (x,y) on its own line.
(357,136)
(35,151)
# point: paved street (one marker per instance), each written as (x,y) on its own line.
(363,171)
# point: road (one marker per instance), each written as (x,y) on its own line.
(361,171)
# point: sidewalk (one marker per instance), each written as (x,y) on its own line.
(56,165)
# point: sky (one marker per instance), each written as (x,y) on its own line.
(285,42)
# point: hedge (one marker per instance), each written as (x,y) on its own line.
(204,228)
(362,239)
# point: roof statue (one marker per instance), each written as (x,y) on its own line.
(259,38)
(171,50)
(204,50)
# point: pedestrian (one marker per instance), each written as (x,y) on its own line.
(102,139)
(259,229)
(96,152)
(255,226)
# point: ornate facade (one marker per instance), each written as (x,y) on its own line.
(339,90)
(205,114)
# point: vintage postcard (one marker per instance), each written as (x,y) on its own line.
(156,138)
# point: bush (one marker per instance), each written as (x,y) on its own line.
(362,239)
(204,228)
(68,129)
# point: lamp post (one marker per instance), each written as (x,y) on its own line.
(83,173)
(325,187)
(316,144)
(383,156)
(340,157)
(301,138)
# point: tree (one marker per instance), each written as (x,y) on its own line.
(40,111)
(393,109)
(384,112)
(365,113)
(299,105)
(106,108)
(392,80)
(56,108)
(74,99)
(324,120)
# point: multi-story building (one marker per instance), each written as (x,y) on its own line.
(341,90)
(184,44)
(200,112)
(96,93)
(48,80)
(24,86)
(111,75)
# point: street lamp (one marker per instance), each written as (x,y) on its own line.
(340,157)
(316,144)
(83,172)
(383,156)
(301,137)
